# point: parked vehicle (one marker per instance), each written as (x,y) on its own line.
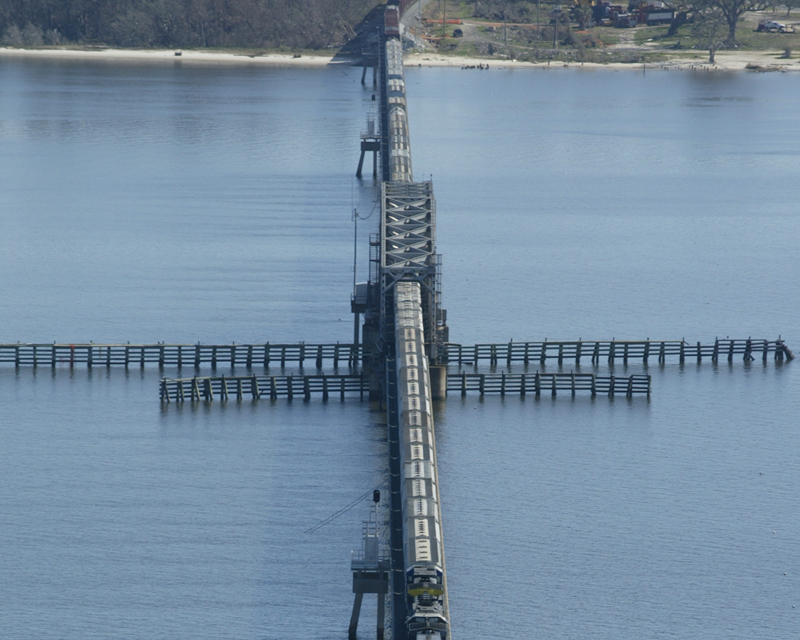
(774,27)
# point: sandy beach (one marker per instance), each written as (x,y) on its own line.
(172,55)
(725,60)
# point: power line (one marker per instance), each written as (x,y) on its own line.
(345,509)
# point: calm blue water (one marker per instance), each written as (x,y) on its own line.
(185,203)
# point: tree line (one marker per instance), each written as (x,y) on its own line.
(311,24)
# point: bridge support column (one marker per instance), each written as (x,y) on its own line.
(351,632)
(438,382)
(369,143)
(376,582)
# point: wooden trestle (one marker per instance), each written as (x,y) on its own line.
(548,383)
(240,387)
(180,355)
(612,351)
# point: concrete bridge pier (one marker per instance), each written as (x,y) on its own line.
(438,375)
(369,58)
(370,573)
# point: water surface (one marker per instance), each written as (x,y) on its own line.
(181,203)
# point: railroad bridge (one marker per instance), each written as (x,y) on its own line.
(402,362)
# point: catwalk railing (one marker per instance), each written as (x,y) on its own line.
(613,351)
(179,355)
(254,387)
(539,383)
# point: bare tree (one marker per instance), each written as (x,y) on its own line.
(790,4)
(709,29)
(732,11)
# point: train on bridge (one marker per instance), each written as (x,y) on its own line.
(422,530)
(423,548)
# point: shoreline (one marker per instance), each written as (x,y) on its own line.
(754,61)
(758,61)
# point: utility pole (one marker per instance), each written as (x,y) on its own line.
(505,31)
(419,23)
(556,20)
